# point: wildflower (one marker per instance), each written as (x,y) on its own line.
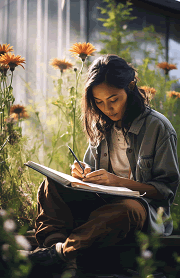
(124,27)
(9,225)
(60,64)
(146,254)
(5,247)
(12,60)
(3,213)
(82,49)
(23,242)
(18,112)
(23,253)
(173,94)
(5,252)
(166,67)
(148,90)
(4,48)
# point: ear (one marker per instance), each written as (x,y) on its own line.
(131,85)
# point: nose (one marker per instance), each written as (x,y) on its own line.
(107,108)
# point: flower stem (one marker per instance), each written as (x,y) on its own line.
(2,147)
(74,109)
(11,78)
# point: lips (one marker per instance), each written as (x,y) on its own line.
(112,115)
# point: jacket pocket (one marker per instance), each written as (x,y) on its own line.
(145,166)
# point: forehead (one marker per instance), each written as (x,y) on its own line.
(104,90)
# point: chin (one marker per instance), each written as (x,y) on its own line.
(116,118)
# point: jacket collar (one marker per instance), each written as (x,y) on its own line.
(135,126)
(139,121)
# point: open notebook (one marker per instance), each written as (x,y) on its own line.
(67,180)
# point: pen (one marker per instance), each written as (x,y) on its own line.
(83,169)
(76,159)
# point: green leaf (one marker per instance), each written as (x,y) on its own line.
(72,91)
(23,229)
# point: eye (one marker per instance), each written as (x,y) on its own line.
(113,101)
(98,102)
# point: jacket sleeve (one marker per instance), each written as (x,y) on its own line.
(165,170)
(89,158)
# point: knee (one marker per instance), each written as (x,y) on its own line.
(135,211)
(46,189)
(130,204)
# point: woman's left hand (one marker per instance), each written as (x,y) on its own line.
(103,177)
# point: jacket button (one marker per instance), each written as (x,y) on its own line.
(105,154)
(130,150)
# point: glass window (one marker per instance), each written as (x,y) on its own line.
(31,42)
(146,18)
(174,47)
(74,21)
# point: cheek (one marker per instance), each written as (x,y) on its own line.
(99,106)
(122,106)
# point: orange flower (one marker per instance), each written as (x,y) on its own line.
(173,94)
(4,48)
(148,90)
(12,60)
(166,67)
(18,112)
(82,49)
(60,64)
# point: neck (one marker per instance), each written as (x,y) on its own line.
(118,124)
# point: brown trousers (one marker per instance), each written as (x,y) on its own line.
(82,219)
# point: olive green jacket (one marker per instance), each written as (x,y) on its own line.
(152,155)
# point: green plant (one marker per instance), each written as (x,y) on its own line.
(117,39)
(12,262)
(147,261)
(18,187)
(17,191)
(120,40)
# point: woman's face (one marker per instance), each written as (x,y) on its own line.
(111,101)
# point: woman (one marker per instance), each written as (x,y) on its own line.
(131,146)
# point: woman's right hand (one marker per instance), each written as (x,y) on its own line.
(77,172)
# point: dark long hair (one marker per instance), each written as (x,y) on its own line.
(116,72)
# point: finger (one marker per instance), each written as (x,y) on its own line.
(77,173)
(95,173)
(87,170)
(77,166)
(94,179)
(75,176)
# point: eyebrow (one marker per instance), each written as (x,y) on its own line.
(108,97)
